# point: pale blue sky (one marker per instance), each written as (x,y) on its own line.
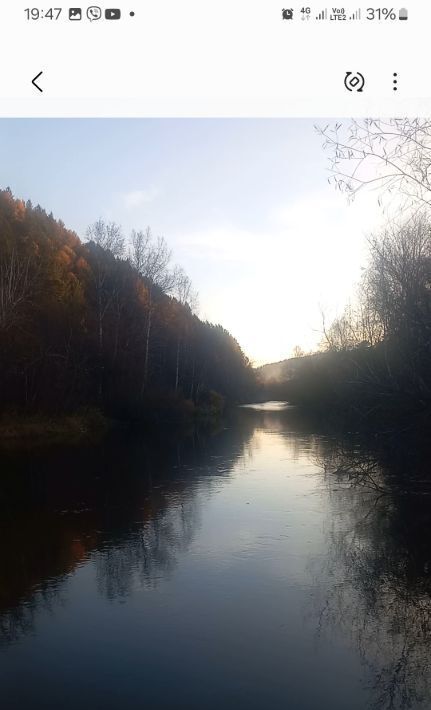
(243,203)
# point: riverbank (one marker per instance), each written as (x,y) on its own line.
(86,423)
(90,423)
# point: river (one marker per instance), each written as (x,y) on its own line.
(264,562)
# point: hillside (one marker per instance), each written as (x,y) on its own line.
(96,324)
(281,371)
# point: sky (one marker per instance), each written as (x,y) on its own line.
(244,204)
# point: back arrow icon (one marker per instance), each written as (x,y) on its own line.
(33,81)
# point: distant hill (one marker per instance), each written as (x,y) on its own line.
(279,371)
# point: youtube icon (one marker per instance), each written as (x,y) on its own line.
(113,14)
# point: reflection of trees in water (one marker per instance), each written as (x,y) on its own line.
(375,581)
(131,505)
(38,550)
(19,620)
(151,552)
(377,571)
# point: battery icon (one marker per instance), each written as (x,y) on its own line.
(404,15)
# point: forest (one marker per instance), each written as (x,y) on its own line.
(373,363)
(108,324)
(375,357)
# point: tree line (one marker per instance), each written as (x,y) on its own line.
(375,358)
(110,322)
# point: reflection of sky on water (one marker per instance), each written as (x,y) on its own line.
(274,406)
(237,566)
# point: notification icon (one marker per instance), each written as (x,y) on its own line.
(113,14)
(94,13)
(75,13)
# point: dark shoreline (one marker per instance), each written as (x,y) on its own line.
(17,427)
(92,425)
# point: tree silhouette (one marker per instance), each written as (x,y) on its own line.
(96,324)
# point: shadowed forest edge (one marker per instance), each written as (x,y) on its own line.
(107,328)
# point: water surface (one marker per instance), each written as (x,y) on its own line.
(263,564)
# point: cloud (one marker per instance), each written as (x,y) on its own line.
(137,198)
(266,285)
(221,244)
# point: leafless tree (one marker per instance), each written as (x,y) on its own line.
(186,296)
(343,333)
(108,237)
(298,351)
(390,155)
(151,258)
(393,307)
(16,286)
(399,279)
(369,325)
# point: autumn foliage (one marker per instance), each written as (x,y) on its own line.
(74,328)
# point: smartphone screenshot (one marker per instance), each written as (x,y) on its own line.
(215,356)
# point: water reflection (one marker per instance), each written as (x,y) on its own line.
(263,533)
(378,567)
(145,556)
(129,504)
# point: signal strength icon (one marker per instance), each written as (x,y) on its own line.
(322,15)
(356,15)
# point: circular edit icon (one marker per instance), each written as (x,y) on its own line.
(94,13)
(354,81)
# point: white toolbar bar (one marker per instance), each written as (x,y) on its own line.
(193,58)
